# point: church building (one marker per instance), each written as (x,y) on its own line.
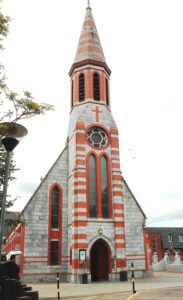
(83,217)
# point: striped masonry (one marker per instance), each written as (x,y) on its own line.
(89,46)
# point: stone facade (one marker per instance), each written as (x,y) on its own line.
(109,231)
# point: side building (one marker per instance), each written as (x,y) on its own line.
(165,239)
(83,217)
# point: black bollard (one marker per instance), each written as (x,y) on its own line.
(58,287)
(133,279)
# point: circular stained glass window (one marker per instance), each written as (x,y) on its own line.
(97,137)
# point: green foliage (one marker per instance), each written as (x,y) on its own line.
(22,106)
(4,28)
(10,222)
(13,168)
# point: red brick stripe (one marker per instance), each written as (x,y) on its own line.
(117,193)
(118,206)
(117,177)
(79,175)
(79,205)
(79,236)
(79,245)
(79,191)
(119,224)
(120,245)
(119,236)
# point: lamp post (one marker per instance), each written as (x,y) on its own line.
(10,133)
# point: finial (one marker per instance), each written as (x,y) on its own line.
(88,4)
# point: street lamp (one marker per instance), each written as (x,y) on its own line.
(10,133)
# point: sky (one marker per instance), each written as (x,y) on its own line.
(143,45)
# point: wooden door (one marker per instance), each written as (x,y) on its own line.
(99,258)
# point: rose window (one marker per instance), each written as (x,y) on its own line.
(97,137)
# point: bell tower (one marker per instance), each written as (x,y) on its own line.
(89,72)
(95,181)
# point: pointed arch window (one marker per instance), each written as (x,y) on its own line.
(92,187)
(81,87)
(99,186)
(55,208)
(55,225)
(96,87)
(107,91)
(104,186)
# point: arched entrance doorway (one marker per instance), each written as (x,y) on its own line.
(99,261)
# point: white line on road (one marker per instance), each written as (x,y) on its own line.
(132,296)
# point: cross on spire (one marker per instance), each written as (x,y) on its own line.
(97,111)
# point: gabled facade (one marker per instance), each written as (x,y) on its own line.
(83,218)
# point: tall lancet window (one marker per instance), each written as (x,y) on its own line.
(55,208)
(104,186)
(81,87)
(96,87)
(92,187)
(55,225)
(107,92)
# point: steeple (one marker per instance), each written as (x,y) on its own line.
(89,72)
(89,46)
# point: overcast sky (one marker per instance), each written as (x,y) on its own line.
(143,45)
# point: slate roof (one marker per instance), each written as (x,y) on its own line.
(165,231)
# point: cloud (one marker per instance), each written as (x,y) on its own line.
(27,187)
(173,217)
(174,195)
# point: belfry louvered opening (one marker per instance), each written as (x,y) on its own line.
(81,87)
(96,87)
(107,92)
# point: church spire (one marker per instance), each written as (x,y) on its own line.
(89,73)
(89,46)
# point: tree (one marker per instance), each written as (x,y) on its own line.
(13,107)
(13,168)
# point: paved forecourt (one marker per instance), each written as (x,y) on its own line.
(161,281)
(160,294)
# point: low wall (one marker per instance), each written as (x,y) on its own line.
(165,265)
(175,268)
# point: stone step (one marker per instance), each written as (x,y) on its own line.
(33,294)
(22,290)
(24,298)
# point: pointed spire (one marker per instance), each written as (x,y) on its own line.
(89,46)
